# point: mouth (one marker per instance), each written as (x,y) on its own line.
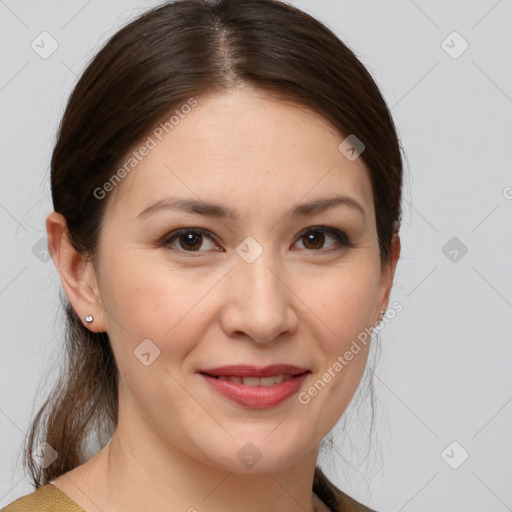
(272,380)
(255,387)
(255,375)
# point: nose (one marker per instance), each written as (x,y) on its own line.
(259,301)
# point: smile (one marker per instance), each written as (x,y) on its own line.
(256,392)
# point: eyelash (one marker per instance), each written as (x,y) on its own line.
(340,236)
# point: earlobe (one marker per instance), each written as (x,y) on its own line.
(76,273)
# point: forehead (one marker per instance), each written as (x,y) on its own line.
(244,147)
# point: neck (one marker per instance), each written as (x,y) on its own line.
(153,475)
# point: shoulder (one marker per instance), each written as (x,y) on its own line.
(47,498)
(349,504)
(335,499)
(341,502)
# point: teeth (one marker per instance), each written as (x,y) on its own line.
(250,381)
(267,381)
(256,381)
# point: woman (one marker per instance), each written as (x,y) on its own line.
(226,184)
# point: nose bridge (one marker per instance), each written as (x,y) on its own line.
(260,274)
(260,302)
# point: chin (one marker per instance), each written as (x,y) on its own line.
(254,454)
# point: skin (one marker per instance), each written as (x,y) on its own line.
(177,440)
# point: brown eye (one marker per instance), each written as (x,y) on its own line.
(315,238)
(192,241)
(189,240)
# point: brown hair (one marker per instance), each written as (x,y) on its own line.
(176,51)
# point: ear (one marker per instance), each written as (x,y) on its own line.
(77,275)
(387,275)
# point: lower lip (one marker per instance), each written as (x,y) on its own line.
(257,397)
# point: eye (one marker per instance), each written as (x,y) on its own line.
(191,239)
(314,238)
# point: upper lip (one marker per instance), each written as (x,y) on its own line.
(254,371)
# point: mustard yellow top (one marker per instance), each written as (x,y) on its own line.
(49,498)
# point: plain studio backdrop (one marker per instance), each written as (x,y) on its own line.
(443,382)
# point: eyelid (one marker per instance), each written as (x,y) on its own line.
(340,236)
(169,237)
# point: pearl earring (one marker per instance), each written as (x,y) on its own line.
(89,319)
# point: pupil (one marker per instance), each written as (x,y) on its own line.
(192,239)
(315,239)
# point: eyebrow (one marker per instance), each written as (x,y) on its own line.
(196,206)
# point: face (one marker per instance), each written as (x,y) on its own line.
(258,279)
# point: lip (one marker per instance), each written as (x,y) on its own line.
(256,397)
(254,371)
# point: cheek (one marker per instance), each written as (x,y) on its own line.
(145,300)
(345,306)
(139,290)
(345,301)
(148,297)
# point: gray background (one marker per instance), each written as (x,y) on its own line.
(444,374)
